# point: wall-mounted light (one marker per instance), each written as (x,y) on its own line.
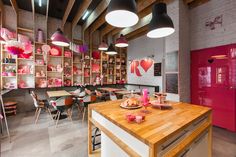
(59,39)
(161,24)
(40,3)
(85,15)
(122,13)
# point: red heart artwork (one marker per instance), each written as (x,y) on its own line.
(146,64)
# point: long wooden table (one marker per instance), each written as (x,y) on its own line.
(186,129)
(56,94)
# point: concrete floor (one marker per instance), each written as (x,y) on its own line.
(70,139)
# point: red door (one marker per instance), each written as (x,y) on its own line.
(213,83)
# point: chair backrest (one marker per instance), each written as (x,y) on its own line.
(87,98)
(98,93)
(60,101)
(68,101)
(87,91)
(113,96)
(93,98)
(35,100)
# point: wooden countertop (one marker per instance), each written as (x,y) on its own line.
(158,126)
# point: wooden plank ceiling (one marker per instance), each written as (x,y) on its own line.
(73,10)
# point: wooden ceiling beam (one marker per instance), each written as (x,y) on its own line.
(99,22)
(67,12)
(83,7)
(196,3)
(1,6)
(14,5)
(96,13)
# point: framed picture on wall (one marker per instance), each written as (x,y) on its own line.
(172,83)
(172,72)
(157,69)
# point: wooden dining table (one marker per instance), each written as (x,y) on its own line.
(56,94)
(108,89)
(126,92)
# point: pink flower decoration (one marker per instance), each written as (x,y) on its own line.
(14,47)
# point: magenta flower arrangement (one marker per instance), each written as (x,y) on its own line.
(14,47)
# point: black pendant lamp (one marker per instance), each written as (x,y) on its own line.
(161,24)
(111,50)
(122,13)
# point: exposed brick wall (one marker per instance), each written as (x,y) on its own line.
(202,37)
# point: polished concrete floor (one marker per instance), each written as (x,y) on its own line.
(70,138)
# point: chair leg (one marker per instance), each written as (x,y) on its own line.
(58,117)
(36,113)
(50,114)
(69,114)
(37,118)
(84,114)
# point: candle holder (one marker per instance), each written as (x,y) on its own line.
(145,101)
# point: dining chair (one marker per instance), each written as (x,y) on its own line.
(86,101)
(100,96)
(60,105)
(112,96)
(39,105)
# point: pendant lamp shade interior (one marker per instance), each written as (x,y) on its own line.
(121,41)
(111,50)
(59,39)
(161,24)
(122,13)
(103,46)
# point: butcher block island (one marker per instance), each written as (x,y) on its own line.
(184,130)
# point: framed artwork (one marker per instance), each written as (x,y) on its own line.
(157,69)
(172,83)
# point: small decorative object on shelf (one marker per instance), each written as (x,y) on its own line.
(68,54)
(9,71)
(41,83)
(55,51)
(54,82)
(67,82)
(40,36)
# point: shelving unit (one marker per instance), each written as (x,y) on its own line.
(77,66)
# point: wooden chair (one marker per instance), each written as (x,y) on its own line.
(39,105)
(60,105)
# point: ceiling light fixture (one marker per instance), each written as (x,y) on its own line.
(59,39)
(161,24)
(122,13)
(121,41)
(85,15)
(40,3)
(103,46)
(111,50)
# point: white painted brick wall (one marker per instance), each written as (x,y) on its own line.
(140,48)
(172,42)
(202,37)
